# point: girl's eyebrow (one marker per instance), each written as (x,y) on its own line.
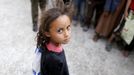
(60,28)
(68,25)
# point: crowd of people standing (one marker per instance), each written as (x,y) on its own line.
(108,15)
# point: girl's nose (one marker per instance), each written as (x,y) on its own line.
(67,33)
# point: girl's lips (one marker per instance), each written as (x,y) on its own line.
(67,40)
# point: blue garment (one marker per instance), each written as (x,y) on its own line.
(111,5)
(79,5)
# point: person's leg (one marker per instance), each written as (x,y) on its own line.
(99,9)
(34,10)
(78,9)
(76,4)
(82,11)
(88,15)
(108,46)
(96,37)
(116,33)
(128,48)
(76,13)
(101,25)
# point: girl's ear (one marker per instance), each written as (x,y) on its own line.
(47,34)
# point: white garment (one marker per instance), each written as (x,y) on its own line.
(36,62)
(128,30)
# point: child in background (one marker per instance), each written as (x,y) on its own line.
(55,29)
(129,7)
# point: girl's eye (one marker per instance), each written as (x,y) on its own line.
(60,30)
(68,28)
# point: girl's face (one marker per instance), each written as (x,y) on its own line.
(59,32)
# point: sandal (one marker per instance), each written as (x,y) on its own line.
(96,37)
(108,47)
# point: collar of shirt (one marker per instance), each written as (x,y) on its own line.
(51,47)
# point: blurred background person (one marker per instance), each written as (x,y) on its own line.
(34,10)
(129,10)
(109,19)
(91,7)
(79,6)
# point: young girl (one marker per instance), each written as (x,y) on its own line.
(54,31)
(129,7)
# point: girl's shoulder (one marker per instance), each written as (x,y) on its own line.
(41,49)
(55,56)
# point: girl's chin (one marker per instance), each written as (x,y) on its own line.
(66,42)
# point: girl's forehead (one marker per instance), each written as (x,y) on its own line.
(62,20)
